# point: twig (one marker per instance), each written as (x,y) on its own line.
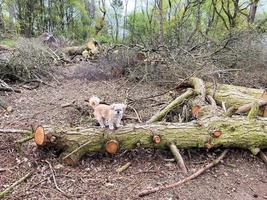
(194,175)
(123,168)
(15,131)
(212,101)
(136,113)
(23,140)
(55,181)
(10,188)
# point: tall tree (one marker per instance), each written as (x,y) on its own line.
(161,33)
(252,11)
(1,16)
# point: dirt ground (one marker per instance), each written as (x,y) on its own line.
(241,176)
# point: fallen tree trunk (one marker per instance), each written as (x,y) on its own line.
(242,98)
(210,132)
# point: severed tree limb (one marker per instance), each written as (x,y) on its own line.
(158,116)
(194,175)
(247,107)
(208,132)
(11,187)
(199,87)
(178,157)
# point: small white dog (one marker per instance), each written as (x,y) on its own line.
(107,115)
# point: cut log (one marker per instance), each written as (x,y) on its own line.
(92,47)
(210,132)
(75,50)
(241,98)
(234,95)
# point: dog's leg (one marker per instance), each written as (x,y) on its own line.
(110,125)
(101,122)
(118,122)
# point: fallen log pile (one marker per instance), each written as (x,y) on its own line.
(211,128)
(224,116)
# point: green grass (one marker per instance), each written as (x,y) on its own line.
(8,42)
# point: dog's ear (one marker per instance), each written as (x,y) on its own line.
(124,106)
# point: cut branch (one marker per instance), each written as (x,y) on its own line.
(194,175)
(158,116)
(177,156)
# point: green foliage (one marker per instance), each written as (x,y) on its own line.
(75,19)
(8,42)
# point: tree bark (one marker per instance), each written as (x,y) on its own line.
(231,95)
(252,11)
(238,132)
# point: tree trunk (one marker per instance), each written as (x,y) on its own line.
(252,11)
(238,132)
(231,95)
(161,34)
(2,27)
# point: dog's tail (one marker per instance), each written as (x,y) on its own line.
(94,101)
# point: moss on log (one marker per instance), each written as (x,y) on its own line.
(234,95)
(237,132)
(241,98)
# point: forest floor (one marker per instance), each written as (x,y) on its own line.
(240,177)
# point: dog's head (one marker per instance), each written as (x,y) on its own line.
(118,108)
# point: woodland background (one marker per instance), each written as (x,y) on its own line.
(55,54)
